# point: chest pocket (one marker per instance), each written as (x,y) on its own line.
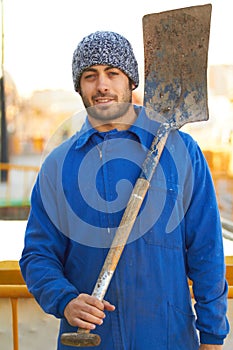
(163,213)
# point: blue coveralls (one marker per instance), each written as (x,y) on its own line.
(77,204)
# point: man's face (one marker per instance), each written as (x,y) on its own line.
(107,91)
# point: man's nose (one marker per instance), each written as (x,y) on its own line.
(102,83)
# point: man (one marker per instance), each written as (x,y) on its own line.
(77,204)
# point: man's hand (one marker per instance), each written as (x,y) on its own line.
(210,347)
(86,311)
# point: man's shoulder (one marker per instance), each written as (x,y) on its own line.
(184,137)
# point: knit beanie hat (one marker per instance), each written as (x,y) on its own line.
(107,48)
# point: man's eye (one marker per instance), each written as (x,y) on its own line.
(113,73)
(89,76)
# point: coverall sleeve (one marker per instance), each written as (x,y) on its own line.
(205,256)
(43,259)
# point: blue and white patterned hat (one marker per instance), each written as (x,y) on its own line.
(107,48)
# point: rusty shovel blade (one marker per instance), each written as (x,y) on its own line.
(176,52)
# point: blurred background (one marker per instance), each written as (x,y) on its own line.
(38,100)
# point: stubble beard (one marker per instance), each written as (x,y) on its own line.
(106,113)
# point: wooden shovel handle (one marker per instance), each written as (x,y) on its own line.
(119,242)
(121,236)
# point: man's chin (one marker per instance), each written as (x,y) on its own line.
(108,112)
(103,106)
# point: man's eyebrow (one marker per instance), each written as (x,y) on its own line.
(91,69)
(110,67)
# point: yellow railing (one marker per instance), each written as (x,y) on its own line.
(229,275)
(13,286)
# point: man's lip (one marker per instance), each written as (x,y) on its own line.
(102,100)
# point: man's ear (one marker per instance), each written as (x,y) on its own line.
(133,86)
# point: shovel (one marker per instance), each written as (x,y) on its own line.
(176,50)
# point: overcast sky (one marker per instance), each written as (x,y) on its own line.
(41,35)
